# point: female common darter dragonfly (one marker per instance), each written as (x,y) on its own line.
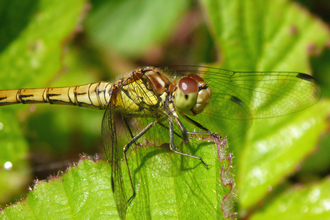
(156,101)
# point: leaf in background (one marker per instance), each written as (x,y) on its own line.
(273,153)
(13,148)
(304,203)
(131,28)
(263,36)
(32,58)
(15,15)
(269,36)
(35,55)
(321,68)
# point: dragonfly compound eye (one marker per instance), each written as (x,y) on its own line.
(186,95)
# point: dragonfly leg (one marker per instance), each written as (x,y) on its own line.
(127,146)
(208,132)
(182,128)
(166,127)
(172,146)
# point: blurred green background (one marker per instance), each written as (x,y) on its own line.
(52,43)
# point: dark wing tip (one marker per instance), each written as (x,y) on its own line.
(236,100)
(305,77)
(112,184)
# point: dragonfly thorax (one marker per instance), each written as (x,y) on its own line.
(158,80)
(192,95)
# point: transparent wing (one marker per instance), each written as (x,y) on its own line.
(114,154)
(241,96)
(247,95)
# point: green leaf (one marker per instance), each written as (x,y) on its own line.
(269,36)
(83,192)
(270,155)
(170,191)
(14,174)
(36,52)
(264,35)
(321,67)
(15,15)
(132,27)
(30,56)
(173,185)
(300,202)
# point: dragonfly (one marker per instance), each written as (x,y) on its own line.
(167,104)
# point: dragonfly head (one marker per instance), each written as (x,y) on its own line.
(192,95)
